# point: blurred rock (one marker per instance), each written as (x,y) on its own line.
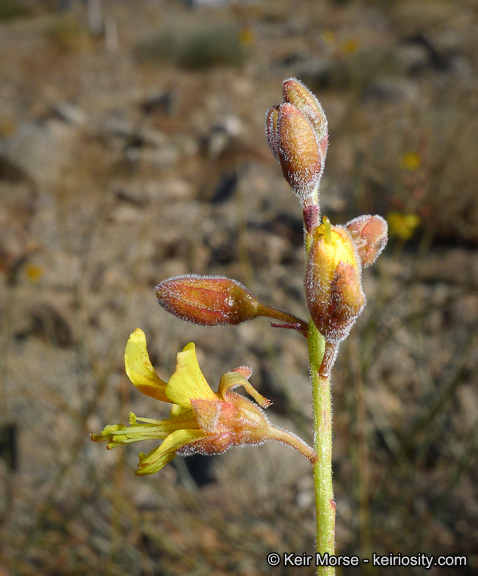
(163,102)
(70,114)
(141,147)
(410,16)
(211,3)
(130,135)
(222,132)
(134,195)
(438,59)
(225,188)
(317,74)
(356,69)
(467,397)
(411,57)
(40,150)
(49,323)
(391,90)
(8,447)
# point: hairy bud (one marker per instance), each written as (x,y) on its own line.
(333,283)
(272,133)
(369,234)
(207,300)
(302,98)
(297,135)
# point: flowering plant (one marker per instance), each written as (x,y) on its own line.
(205,422)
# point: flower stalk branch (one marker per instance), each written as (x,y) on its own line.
(218,301)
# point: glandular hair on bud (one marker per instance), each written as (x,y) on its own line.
(207,300)
(333,283)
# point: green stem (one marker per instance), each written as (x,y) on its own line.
(322,407)
(321,359)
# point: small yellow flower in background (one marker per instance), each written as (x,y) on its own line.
(402,225)
(33,272)
(411,161)
(246,36)
(350,46)
(328,37)
(201,421)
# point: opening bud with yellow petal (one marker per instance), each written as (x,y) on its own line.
(217,301)
(333,282)
(297,135)
(370,235)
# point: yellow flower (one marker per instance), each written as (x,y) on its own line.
(246,36)
(402,225)
(350,46)
(33,272)
(201,421)
(328,37)
(411,161)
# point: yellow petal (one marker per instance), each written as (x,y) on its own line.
(159,457)
(177,410)
(188,380)
(139,369)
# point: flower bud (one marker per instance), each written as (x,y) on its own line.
(271,130)
(297,135)
(207,300)
(333,282)
(302,98)
(369,234)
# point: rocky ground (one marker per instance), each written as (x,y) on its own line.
(132,150)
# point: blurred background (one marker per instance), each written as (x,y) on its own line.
(132,149)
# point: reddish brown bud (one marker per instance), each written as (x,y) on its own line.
(369,234)
(271,131)
(299,155)
(297,135)
(333,282)
(302,98)
(207,300)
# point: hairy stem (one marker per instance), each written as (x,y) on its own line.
(294,441)
(289,319)
(321,359)
(322,407)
